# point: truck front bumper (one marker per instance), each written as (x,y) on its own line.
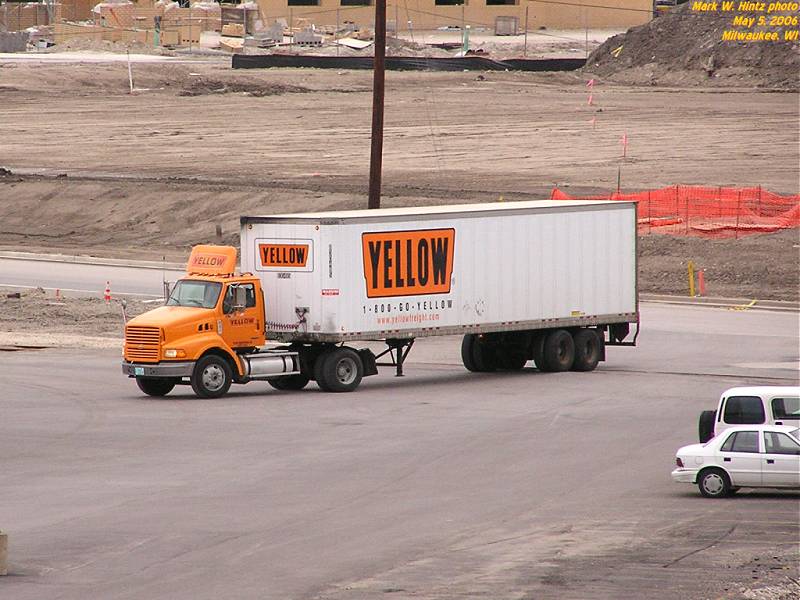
(162,369)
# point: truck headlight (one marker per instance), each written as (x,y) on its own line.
(174,353)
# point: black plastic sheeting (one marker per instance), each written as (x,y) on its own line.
(401,63)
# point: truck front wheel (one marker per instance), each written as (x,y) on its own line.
(339,370)
(211,377)
(155,386)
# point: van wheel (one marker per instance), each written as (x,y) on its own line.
(706,425)
(467,348)
(587,350)
(340,370)
(290,382)
(155,386)
(559,351)
(714,483)
(212,377)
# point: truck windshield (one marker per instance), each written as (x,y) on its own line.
(195,293)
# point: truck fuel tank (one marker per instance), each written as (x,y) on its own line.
(267,364)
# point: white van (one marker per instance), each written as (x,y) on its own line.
(771,405)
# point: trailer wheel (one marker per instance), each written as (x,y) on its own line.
(467,349)
(212,377)
(587,350)
(537,350)
(340,370)
(155,386)
(706,425)
(290,382)
(559,351)
(484,356)
(511,358)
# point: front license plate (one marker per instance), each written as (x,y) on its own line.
(138,370)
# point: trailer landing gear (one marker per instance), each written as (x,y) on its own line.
(398,351)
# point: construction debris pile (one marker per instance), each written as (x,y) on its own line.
(685,47)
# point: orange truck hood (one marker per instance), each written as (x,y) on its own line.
(172,316)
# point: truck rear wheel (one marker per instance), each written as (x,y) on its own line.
(212,377)
(587,350)
(706,425)
(559,351)
(290,382)
(339,370)
(155,386)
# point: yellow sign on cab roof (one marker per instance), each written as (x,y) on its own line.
(212,260)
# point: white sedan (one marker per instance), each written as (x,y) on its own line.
(744,456)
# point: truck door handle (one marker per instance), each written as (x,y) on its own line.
(770,461)
(778,422)
(726,459)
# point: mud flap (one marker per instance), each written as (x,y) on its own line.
(369,362)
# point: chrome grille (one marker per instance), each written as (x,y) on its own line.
(142,343)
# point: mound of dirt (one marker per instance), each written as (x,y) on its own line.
(201,86)
(685,47)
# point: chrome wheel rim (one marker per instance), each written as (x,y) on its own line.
(713,484)
(346,370)
(213,378)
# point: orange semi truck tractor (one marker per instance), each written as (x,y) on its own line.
(549,281)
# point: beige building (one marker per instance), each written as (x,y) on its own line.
(432,14)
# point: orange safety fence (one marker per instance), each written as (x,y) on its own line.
(716,212)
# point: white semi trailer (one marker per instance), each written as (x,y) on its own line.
(548,281)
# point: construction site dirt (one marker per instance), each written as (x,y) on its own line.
(94,169)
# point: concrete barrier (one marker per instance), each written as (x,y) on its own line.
(13,41)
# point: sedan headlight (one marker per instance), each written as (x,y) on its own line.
(174,353)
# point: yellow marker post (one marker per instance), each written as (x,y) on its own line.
(690,269)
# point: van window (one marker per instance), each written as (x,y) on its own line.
(744,410)
(786,408)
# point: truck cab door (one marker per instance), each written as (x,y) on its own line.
(243,325)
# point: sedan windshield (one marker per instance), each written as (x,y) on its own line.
(195,293)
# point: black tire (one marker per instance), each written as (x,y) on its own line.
(559,351)
(467,348)
(587,350)
(484,355)
(340,370)
(289,382)
(706,425)
(212,377)
(155,386)
(537,350)
(511,358)
(714,483)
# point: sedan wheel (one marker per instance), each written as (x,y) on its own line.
(714,483)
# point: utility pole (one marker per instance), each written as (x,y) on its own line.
(378,78)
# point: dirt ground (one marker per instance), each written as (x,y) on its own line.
(96,170)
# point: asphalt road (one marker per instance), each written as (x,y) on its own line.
(443,484)
(79,279)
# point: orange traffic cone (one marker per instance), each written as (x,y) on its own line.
(107,293)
